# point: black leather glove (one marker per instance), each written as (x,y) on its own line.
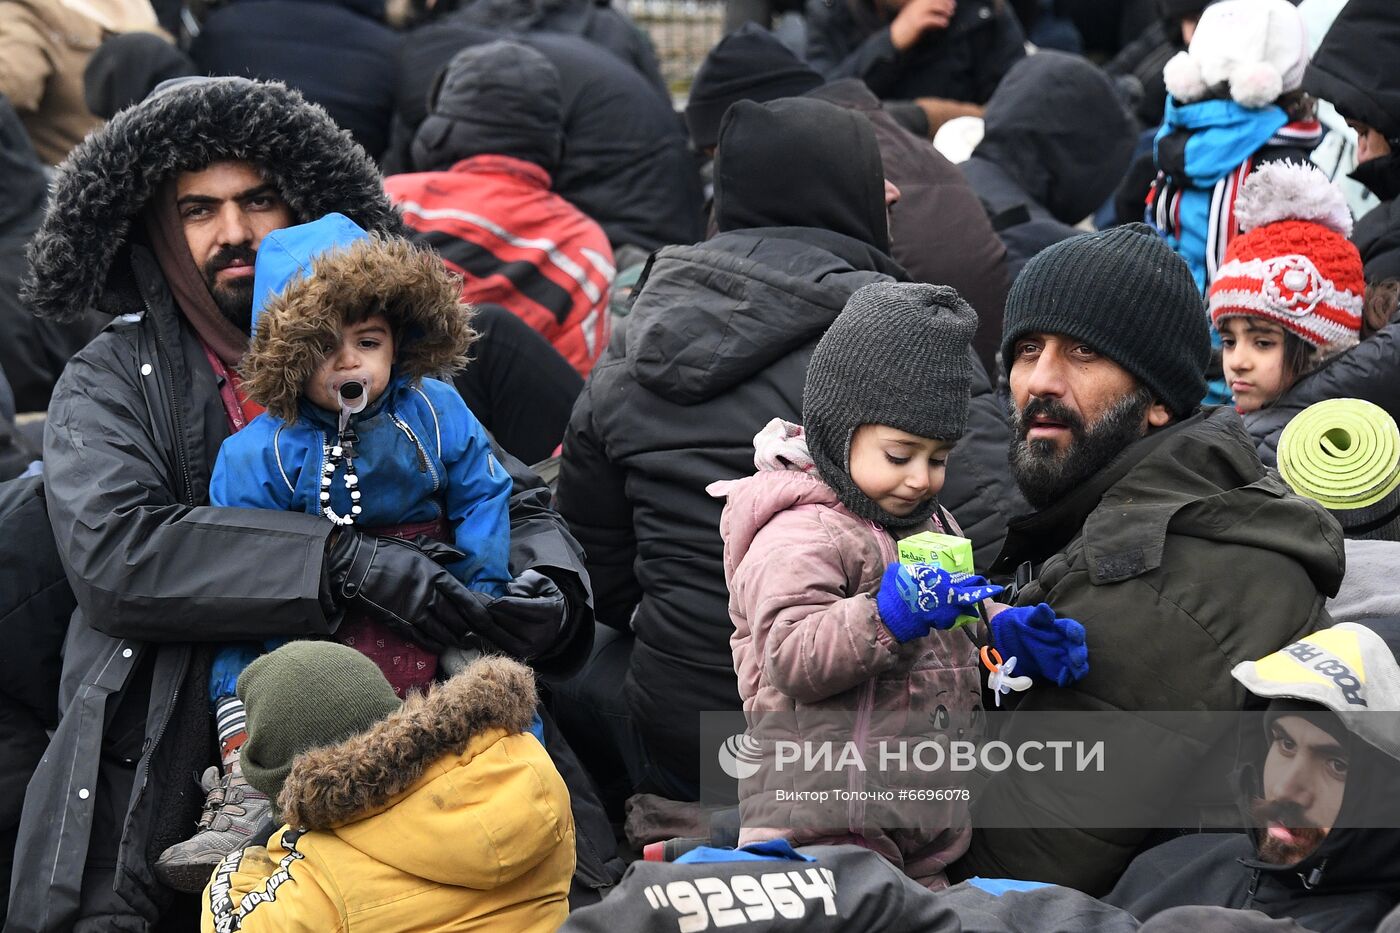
(528,616)
(403,585)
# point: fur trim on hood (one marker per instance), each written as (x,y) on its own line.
(420,297)
(332,786)
(106,181)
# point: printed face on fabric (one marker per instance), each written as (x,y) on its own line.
(899,471)
(1252,353)
(365,354)
(1073,410)
(1305,778)
(225,211)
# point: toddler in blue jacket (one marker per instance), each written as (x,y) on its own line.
(348,330)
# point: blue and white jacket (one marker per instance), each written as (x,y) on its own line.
(422,455)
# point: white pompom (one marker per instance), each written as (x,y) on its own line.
(1291,191)
(1257,84)
(1182,76)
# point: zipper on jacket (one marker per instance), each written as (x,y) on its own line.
(181,455)
(425,465)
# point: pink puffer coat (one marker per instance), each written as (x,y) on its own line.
(803,571)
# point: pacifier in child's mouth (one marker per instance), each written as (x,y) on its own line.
(352,396)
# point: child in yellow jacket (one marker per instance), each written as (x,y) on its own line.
(440,813)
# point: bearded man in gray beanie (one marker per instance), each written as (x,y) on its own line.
(1156,527)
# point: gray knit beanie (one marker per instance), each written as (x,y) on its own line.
(896,355)
(1126,294)
(305,695)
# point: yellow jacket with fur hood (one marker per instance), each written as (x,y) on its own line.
(446,816)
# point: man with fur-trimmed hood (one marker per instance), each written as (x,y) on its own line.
(348,331)
(156,219)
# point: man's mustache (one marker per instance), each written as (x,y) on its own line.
(227,256)
(1289,815)
(1049,408)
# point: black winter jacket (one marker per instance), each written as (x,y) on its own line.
(1057,139)
(627,162)
(35,603)
(938,230)
(1218,869)
(1369,371)
(1142,61)
(849,39)
(1346,885)
(1377,237)
(598,22)
(338,53)
(1354,70)
(517,385)
(32,351)
(159,577)
(716,345)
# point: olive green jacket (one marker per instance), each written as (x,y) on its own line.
(1182,558)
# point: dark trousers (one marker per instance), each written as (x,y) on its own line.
(592,713)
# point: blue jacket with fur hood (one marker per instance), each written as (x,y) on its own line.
(422,454)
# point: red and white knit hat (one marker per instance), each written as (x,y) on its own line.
(1293,263)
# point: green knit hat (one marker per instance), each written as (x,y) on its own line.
(1126,294)
(304,695)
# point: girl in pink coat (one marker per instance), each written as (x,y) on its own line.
(826,618)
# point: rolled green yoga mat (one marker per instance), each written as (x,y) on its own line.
(1345,454)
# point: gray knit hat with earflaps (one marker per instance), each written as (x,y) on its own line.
(896,355)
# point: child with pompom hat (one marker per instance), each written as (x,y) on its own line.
(1289,295)
(1235,103)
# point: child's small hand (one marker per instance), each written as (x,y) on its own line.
(915,599)
(1045,647)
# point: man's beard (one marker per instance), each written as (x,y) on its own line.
(1044,473)
(234,299)
(1288,814)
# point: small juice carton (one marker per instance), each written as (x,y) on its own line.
(950,552)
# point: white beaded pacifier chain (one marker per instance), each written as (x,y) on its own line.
(353,396)
(335,455)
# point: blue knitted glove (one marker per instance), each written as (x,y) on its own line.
(914,599)
(1044,647)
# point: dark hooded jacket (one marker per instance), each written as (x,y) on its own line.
(717,344)
(338,53)
(851,39)
(940,234)
(1369,371)
(1141,61)
(32,352)
(626,160)
(127,67)
(1181,558)
(1346,885)
(1057,140)
(481,197)
(1354,70)
(35,603)
(132,434)
(598,22)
